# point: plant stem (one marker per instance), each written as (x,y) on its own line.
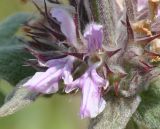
(117,113)
(107,17)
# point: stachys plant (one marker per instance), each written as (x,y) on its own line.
(106,49)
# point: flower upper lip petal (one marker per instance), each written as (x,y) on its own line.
(94,36)
(67,24)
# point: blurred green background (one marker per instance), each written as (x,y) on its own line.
(56,112)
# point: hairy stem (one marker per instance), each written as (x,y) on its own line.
(107,17)
(117,113)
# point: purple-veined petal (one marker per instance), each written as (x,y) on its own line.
(92,103)
(34,79)
(47,82)
(56,62)
(67,24)
(97,79)
(78,83)
(72,86)
(40,77)
(52,88)
(67,77)
(43,81)
(66,64)
(94,36)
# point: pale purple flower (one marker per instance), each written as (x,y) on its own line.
(94,36)
(91,85)
(47,82)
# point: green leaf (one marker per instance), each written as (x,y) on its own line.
(132,124)
(11,25)
(148,112)
(5,88)
(12,57)
(2,96)
(117,113)
(17,99)
(12,52)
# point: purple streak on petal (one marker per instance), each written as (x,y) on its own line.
(56,62)
(72,86)
(67,24)
(43,81)
(94,36)
(90,83)
(86,91)
(67,77)
(97,79)
(92,103)
(40,77)
(52,88)
(34,79)
(47,82)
